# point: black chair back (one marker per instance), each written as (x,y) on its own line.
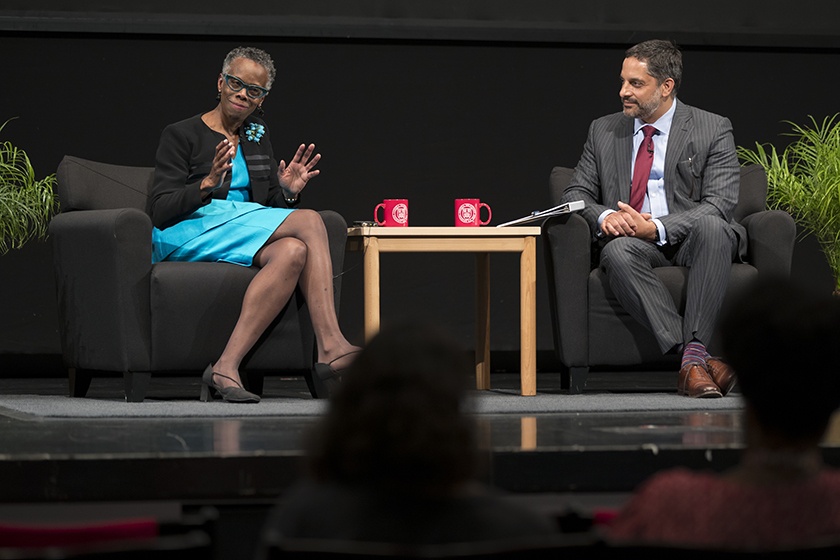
(101,186)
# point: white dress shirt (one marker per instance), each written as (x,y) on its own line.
(655,202)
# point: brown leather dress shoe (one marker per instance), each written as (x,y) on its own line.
(721,374)
(695,382)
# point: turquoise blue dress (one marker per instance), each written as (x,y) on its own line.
(230,230)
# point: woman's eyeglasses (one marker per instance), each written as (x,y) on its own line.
(251,90)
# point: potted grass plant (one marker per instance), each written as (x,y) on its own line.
(804,180)
(26,204)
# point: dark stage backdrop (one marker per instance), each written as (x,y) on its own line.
(428,101)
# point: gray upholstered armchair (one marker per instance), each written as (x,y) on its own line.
(591,329)
(120,313)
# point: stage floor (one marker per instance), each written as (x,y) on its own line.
(53,459)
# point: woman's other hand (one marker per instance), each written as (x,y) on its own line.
(293,177)
(222,162)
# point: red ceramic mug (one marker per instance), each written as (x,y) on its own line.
(468,212)
(395,212)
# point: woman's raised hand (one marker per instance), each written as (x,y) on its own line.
(222,162)
(293,177)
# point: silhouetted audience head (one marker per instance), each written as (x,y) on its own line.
(782,341)
(396,422)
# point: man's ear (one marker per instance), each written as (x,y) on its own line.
(667,87)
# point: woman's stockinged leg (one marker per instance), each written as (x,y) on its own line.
(281,261)
(296,253)
(316,283)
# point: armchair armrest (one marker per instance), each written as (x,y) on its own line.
(567,245)
(772,234)
(102,263)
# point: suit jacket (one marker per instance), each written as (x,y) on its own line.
(701,171)
(185,156)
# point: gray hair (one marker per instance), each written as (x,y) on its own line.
(251,53)
(663,59)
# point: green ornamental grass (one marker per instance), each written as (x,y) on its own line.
(804,180)
(26,205)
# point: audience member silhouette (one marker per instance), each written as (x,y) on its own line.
(394,460)
(781,341)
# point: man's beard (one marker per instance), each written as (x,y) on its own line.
(643,110)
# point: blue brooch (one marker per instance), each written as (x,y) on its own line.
(254,132)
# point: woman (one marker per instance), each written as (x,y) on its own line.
(219,195)
(781,342)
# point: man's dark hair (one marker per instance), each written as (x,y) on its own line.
(663,59)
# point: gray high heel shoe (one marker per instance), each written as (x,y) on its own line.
(326,379)
(229,394)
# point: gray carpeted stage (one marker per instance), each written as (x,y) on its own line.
(484,402)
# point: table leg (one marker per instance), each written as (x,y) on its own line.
(528,316)
(482,321)
(371,281)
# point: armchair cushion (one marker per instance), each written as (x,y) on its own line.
(194,307)
(91,185)
(752,195)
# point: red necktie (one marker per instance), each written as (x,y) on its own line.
(641,170)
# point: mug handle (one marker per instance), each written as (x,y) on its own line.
(489,214)
(376,212)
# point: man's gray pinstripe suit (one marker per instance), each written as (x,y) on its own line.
(701,182)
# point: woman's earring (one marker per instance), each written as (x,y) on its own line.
(219,94)
(260,111)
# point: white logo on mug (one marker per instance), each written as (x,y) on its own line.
(467,213)
(400,213)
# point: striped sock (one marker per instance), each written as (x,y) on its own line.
(694,353)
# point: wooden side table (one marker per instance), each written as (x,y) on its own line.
(478,240)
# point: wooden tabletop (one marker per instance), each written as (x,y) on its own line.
(443,231)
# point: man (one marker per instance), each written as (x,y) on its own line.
(660,181)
